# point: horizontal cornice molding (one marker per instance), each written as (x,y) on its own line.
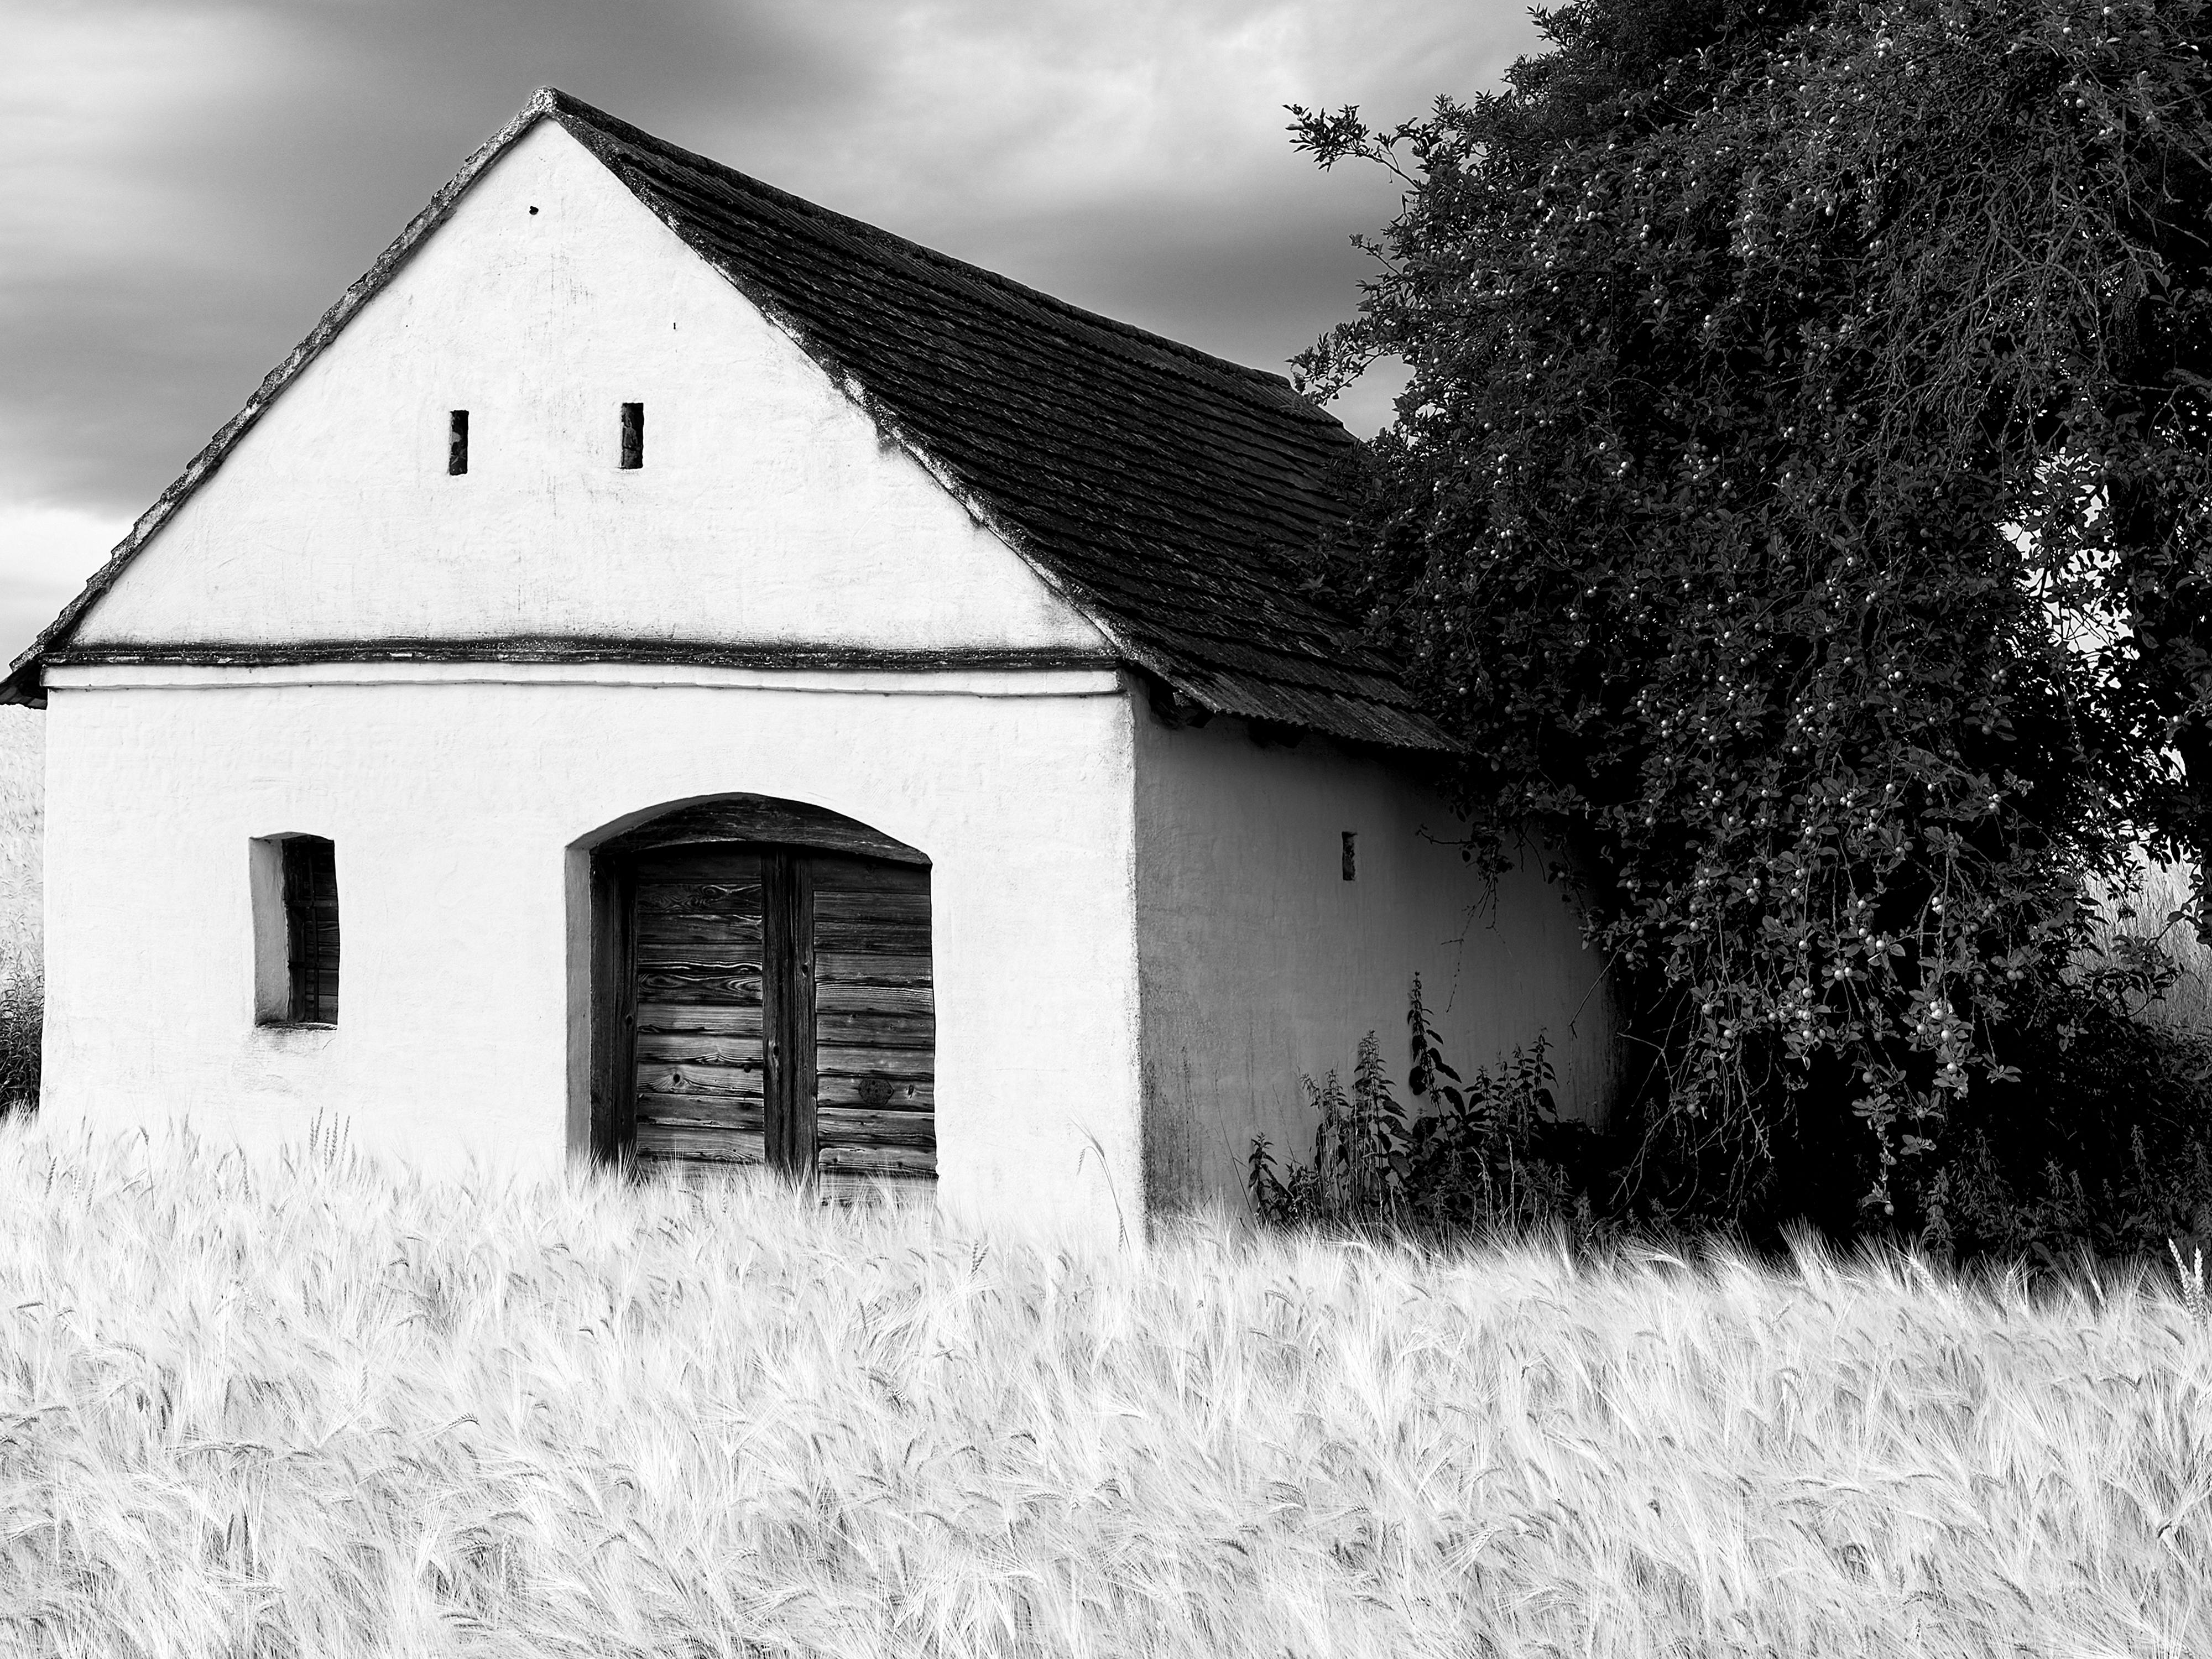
(531,649)
(896,674)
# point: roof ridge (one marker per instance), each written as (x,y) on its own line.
(553,101)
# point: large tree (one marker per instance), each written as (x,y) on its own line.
(1799,506)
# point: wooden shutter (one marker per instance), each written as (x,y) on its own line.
(699,1052)
(875,1026)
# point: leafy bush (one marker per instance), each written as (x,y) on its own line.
(2103,1146)
(1797,509)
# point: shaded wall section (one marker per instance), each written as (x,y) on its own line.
(1259,962)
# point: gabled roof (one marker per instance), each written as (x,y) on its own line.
(1169,495)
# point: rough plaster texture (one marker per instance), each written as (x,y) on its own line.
(1259,962)
(766,507)
(460,799)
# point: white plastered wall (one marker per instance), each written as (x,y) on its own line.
(768,510)
(459,797)
(1259,962)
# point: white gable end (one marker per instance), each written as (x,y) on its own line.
(768,511)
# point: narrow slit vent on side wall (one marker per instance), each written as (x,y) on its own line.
(456,443)
(1350,855)
(633,435)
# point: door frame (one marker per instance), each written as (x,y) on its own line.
(782,833)
(614,1007)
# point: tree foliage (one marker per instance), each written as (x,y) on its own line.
(1799,507)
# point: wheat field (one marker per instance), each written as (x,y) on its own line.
(317,1405)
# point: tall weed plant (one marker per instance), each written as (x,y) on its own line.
(2102,1156)
(1466,1159)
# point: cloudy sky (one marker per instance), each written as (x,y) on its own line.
(185,184)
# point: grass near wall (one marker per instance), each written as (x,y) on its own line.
(321,1409)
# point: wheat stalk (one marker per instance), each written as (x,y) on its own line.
(2192,1283)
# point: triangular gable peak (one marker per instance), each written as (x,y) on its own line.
(1170,496)
(766,523)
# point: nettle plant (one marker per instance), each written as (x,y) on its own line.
(1465,1157)
(1799,507)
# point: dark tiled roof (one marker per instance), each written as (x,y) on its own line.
(1169,495)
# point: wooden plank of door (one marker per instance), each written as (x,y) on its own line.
(897,1162)
(687,1145)
(737,1044)
(865,1125)
(875,1034)
(740,1019)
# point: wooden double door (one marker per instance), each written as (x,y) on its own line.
(771,1005)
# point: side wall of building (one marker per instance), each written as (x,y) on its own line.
(460,799)
(1259,962)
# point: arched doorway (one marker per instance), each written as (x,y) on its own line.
(762,994)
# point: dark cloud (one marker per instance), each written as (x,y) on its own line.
(240,210)
(187,184)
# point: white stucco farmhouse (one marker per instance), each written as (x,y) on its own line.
(743,687)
